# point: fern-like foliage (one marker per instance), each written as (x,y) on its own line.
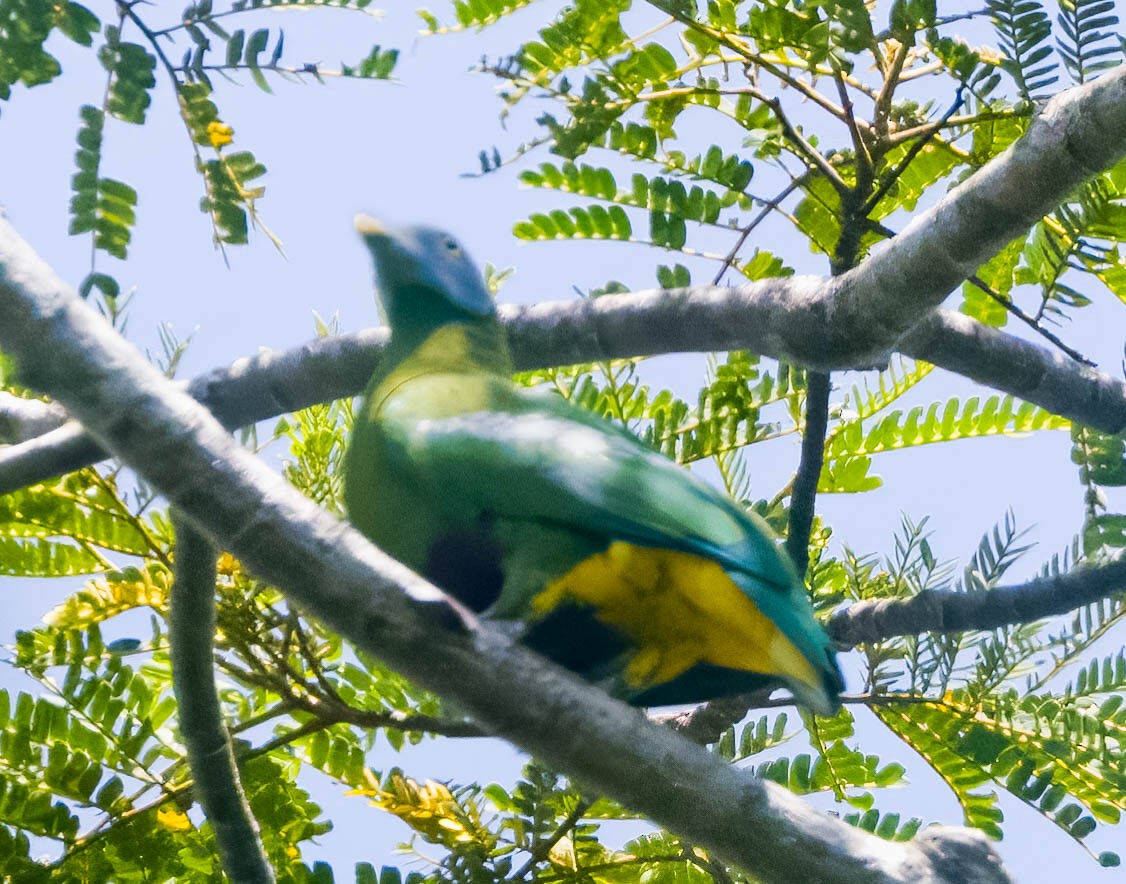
(1101,462)
(69,527)
(1056,752)
(668,202)
(244,52)
(1088,37)
(1046,753)
(130,67)
(888,826)
(1023,28)
(101,206)
(848,454)
(91,764)
(754,737)
(725,418)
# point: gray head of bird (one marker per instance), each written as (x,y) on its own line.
(423,269)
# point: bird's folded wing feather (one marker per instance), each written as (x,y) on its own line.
(533,457)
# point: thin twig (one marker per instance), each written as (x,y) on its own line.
(888,180)
(802,147)
(1030,321)
(745,232)
(542,849)
(892,79)
(859,144)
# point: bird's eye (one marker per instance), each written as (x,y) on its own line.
(452,247)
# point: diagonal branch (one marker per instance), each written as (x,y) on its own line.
(1031,321)
(934,610)
(252,389)
(1079,133)
(64,349)
(1028,371)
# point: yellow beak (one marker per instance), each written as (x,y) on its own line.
(368,226)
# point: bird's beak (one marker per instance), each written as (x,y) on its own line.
(367,226)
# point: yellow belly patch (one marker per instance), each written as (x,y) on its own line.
(679,610)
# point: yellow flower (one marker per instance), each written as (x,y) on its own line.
(219,133)
(173,818)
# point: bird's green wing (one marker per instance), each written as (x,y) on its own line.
(532,457)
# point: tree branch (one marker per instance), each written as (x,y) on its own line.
(1028,371)
(251,389)
(210,756)
(326,567)
(615,326)
(640,324)
(1043,331)
(935,610)
(23,419)
(1079,133)
(705,724)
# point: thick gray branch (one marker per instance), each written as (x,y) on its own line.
(641,324)
(252,389)
(64,349)
(706,318)
(702,318)
(1028,371)
(23,419)
(947,611)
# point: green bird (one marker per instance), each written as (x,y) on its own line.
(601,554)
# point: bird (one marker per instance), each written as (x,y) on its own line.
(591,548)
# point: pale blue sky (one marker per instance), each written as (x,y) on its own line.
(397,150)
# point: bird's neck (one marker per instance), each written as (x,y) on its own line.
(469,346)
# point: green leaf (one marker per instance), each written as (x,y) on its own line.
(28,25)
(474,14)
(255,46)
(593,222)
(44,558)
(1023,29)
(1089,39)
(131,67)
(378,65)
(848,450)
(77,22)
(235,44)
